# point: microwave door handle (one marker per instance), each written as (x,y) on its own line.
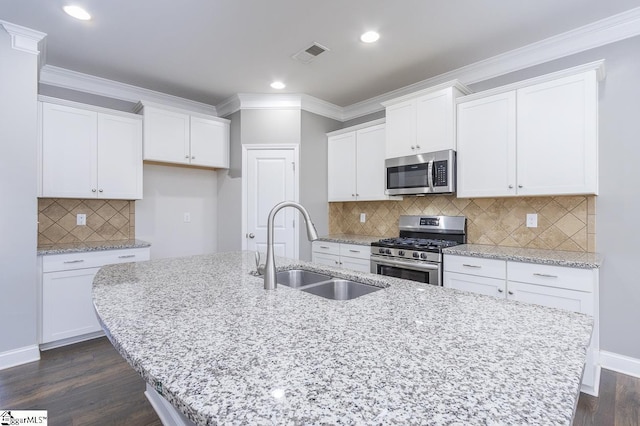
(430,175)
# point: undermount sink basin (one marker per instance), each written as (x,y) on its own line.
(338,289)
(323,285)
(296,278)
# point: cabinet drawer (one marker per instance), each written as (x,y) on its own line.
(490,268)
(326,247)
(552,276)
(71,261)
(355,250)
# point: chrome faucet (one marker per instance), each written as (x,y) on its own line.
(270,264)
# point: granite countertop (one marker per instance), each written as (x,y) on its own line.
(222,350)
(546,257)
(86,247)
(363,240)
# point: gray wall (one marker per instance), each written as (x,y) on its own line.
(365,118)
(313,174)
(18,190)
(230,191)
(618,203)
(85,98)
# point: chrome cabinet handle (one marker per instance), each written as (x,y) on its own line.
(545,275)
(500,290)
(354,251)
(510,186)
(126,256)
(510,293)
(336,262)
(471,266)
(100,190)
(519,186)
(186,156)
(193,157)
(417,146)
(252,235)
(93,190)
(324,247)
(413,147)
(74,261)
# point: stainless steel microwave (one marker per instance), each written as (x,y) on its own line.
(429,173)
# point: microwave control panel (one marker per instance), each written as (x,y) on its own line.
(440,173)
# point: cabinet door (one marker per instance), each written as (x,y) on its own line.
(342,167)
(557,137)
(560,298)
(69,152)
(119,157)
(401,129)
(166,136)
(325,259)
(435,121)
(487,146)
(355,264)
(370,170)
(209,143)
(67,305)
(474,284)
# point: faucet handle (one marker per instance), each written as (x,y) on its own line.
(259,268)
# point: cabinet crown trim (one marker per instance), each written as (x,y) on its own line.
(143,103)
(449,84)
(597,66)
(64,102)
(357,127)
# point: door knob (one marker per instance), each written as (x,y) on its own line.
(252,235)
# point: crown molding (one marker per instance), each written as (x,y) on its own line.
(279,101)
(67,79)
(609,30)
(23,38)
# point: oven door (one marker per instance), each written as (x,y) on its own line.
(428,273)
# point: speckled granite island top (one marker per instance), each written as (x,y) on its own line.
(546,257)
(363,240)
(225,351)
(86,247)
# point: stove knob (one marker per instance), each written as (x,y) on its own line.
(401,253)
(423,255)
(381,251)
(416,254)
(388,251)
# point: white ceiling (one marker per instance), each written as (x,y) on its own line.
(210,50)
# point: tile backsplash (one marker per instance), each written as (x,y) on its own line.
(564,223)
(107,220)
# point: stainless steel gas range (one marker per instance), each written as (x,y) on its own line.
(417,253)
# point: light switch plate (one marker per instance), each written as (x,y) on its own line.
(363,217)
(532,220)
(81,219)
(187,217)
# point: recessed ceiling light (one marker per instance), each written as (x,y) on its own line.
(369,37)
(278,85)
(77,12)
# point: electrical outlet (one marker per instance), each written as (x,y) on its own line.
(187,217)
(81,219)
(532,220)
(363,217)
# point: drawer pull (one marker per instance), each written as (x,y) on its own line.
(126,256)
(325,247)
(510,293)
(545,275)
(74,261)
(354,251)
(500,290)
(471,266)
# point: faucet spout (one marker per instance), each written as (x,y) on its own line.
(270,264)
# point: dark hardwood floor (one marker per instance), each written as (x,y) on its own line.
(90,384)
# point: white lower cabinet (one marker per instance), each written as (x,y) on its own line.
(68,315)
(340,255)
(571,289)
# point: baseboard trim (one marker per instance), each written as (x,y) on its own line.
(19,356)
(71,340)
(620,363)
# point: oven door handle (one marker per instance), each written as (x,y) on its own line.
(410,265)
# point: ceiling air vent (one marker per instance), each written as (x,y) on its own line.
(310,53)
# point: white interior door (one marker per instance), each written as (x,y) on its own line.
(270,175)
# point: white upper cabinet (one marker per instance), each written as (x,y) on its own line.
(183,137)
(89,153)
(423,121)
(539,138)
(356,164)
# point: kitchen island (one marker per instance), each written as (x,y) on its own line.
(212,342)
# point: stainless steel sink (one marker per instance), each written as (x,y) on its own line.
(338,289)
(296,278)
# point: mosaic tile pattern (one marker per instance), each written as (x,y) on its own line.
(107,220)
(564,223)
